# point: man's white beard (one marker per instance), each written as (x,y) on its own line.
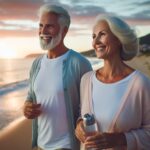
(52,43)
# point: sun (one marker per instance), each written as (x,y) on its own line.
(7,52)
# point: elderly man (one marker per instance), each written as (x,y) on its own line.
(53,99)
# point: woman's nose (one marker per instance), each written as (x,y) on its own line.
(97,40)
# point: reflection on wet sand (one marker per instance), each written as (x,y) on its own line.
(15,130)
(11,106)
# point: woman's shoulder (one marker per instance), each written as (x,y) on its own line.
(142,79)
(88,75)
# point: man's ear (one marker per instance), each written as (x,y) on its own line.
(65,30)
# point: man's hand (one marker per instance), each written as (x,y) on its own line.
(31,110)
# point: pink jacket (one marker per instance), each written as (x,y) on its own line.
(133,116)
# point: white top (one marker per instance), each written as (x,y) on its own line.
(52,123)
(133,117)
(107,98)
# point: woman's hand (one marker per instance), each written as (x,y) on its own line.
(80,132)
(105,140)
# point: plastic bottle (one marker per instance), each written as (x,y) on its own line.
(90,124)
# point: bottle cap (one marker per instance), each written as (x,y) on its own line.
(89,119)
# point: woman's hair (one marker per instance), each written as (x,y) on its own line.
(126,35)
(64,17)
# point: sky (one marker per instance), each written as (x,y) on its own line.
(19,22)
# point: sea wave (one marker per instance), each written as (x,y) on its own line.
(18,85)
(96,63)
(13,87)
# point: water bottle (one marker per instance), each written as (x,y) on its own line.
(90,124)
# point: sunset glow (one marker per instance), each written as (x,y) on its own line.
(8,54)
(6,51)
(19,26)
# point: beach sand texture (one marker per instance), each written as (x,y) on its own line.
(17,136)
(142,63)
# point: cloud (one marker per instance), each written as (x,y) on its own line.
(27,10)
(17,28)
(19,10)
(143,15)
(86,11)
(17,33)
(143,3)
(22,29)
(82,14)
(18,18)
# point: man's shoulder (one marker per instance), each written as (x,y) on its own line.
(37,61)
(38,58)
(76,55)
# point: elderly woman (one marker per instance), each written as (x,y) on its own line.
(116,94)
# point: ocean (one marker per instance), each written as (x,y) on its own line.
(14,74)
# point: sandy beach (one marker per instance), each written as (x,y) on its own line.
(17,136)
(142,63)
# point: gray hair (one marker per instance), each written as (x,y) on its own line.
(126,35)
(64,17)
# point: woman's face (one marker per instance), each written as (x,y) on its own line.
(105,43)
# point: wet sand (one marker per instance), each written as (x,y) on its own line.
(15,130)
(11,105)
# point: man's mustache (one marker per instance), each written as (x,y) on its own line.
(45,36)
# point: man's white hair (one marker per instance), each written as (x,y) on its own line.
(64,17)
(126,35)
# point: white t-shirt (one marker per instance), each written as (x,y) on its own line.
(107,99)
(53,132)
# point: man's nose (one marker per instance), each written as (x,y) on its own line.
(44,30)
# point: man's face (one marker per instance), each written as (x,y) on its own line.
(49,31)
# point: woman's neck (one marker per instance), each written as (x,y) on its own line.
(113,72)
